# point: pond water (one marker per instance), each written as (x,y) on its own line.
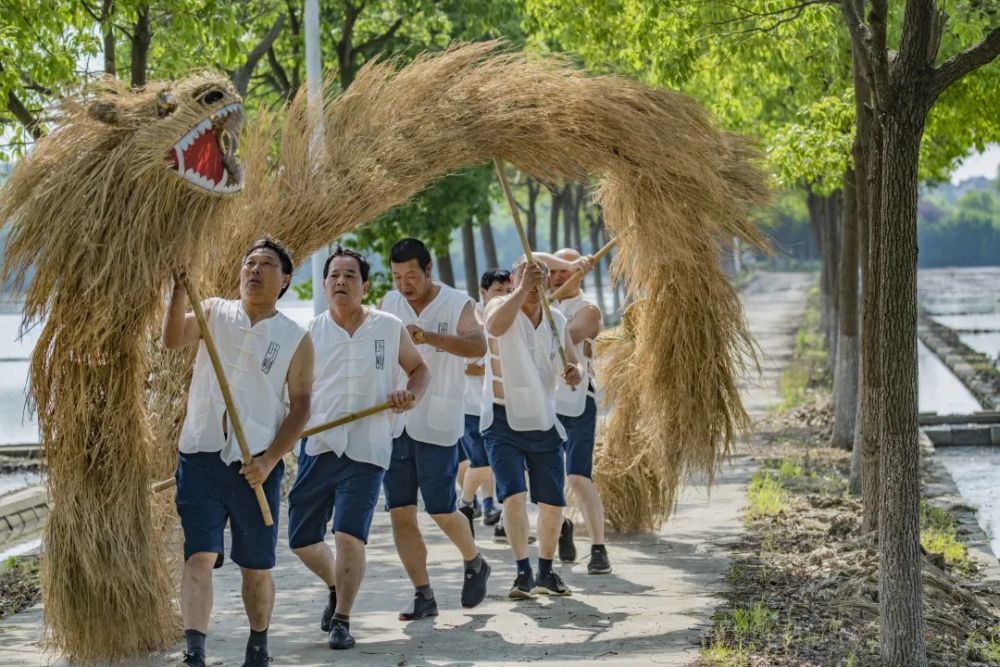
(976,471)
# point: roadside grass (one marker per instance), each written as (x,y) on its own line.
(808,368)
(984,648)
(765,496)
(939,536)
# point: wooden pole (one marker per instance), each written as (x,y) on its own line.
(563,290)
(347,419)
(531,259)
(326,426)
(227,396)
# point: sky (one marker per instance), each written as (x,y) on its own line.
(978,164)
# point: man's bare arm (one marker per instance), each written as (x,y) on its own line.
(180,328)
(419,376)
(585,324)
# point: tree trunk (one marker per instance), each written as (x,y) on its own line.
(557,199)
(872,398)
(595,245)
(490,246)
(834,221)
(469,258)
(534,188)
(817,208)
(845,386)
(446,273)
(900,599)
(107,28)
(141,38)
(861,152)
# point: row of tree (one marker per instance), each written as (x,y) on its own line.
(855,102)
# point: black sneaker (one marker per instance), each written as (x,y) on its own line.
(551,584)
(491,516)
(192,659)
(567,550)
(474,586)
(421,608)
(499,534)
(256,657)
(599,563)
(326,622)
(523,588)
(340,635)
(477,509)
(471,516)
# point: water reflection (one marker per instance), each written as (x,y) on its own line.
(976,471)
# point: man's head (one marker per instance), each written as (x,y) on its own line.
(411,268)
(494,283)
(266,272)
(559,276)
(345,277)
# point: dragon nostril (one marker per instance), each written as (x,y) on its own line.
(212,97)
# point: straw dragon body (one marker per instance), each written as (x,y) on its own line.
(134,185)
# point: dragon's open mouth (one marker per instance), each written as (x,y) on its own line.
(206,155)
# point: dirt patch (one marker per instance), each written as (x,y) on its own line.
(19,584)
(805,579)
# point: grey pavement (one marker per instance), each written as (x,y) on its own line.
(650,610)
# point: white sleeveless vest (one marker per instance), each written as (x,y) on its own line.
(568,402)
(529,365)
(438,418)
(255,360)
(352,373)
(474,383)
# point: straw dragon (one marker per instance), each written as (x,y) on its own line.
(135,184)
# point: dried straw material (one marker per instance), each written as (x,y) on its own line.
(104,225)
(670,184)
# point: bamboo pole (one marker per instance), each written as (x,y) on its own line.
(326,426)
(563,290)
(347,419)
(227,396)
(546,308)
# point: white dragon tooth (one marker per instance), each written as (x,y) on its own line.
(179,153)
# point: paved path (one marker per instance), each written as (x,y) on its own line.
(651,610)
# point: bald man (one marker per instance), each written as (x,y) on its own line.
(577,410)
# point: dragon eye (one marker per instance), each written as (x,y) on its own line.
(212,97)
(166,104)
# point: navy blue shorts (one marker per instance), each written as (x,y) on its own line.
(330,485)
(210,493)
(579,444)
(462,456)
(431,469)
(540,452)
(473,445)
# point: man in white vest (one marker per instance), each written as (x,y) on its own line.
(519,424)
(577,411)
(359,354)
(267,357)
(493,283)
(443,324)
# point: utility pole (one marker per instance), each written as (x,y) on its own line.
(314,92)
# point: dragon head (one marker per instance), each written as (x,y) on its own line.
(188,128)
(205,154)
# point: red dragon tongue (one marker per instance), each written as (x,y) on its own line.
(203,156)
